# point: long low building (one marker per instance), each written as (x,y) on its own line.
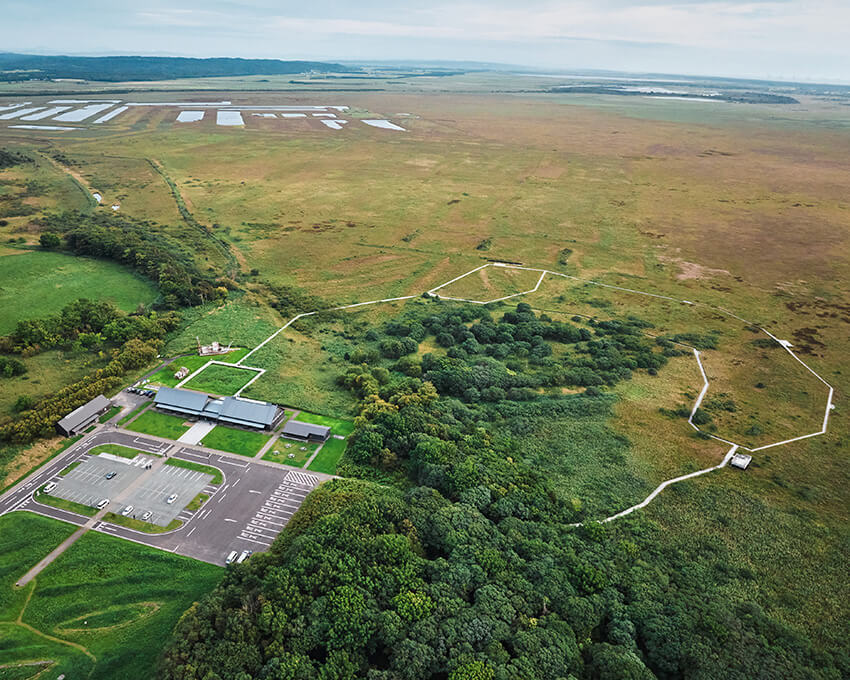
(259,415)
(80,418)
(306,431)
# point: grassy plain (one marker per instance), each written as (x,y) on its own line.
(299,457)
(100,610)
(36,284)
(738,206)
(230,439)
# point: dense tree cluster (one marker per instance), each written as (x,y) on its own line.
(9,159)
(11,367)
(472,572)
(140,245)
(87,325)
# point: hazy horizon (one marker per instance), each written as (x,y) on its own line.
(769,39)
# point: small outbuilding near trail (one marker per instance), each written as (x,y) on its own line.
(306,431)
(80,418)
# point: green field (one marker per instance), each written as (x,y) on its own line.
(220,380)
(243,442)
(104,605)
(118,450)
(132,414)
(36,284)
(328,458)
(158,424)
(299,457)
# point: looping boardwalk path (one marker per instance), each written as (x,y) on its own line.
(433,292)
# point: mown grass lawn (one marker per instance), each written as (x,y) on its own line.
(223,380)
(118,600)
(158,424)
(132,414)
(118,450)
(299,457)
(230,439)
(328,458)
(109,414)
(63,504)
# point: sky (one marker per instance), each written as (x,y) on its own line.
(781,39)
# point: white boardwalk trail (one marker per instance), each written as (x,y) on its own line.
(433,292)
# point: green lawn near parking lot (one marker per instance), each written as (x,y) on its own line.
(139,525)
(118,450)
(327,459)
(243,442)
(101,611)
(63,504)
(223,380)
(109,414)
(338,426)
(218,477)
(158,424)
(136,411)
(25,538)
(300,457)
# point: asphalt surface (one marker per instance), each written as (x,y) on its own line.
(245,512)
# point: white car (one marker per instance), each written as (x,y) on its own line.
(49,487)
(231,557)
(126,511)
(146,516)
(171,498)
(244,556)
(103,504)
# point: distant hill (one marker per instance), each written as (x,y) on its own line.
(17,67)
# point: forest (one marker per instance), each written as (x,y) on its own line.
(452,559)
(16,67)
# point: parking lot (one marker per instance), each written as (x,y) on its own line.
(155,490)
(88,484)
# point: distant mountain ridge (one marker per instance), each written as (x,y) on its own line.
(18,67)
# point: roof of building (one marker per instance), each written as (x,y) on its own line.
(185,401)
(247,411)
(229,409)
(84,413)
(298,429)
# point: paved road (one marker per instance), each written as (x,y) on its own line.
(246,512)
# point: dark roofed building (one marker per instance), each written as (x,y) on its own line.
(82,417)
(184,402)
(306,431)
(232,410)
(248,412)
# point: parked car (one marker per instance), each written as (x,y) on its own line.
(146,516)
(171,498)
(103,504)
(231,557)
(244,556)
(49,487)
(110,475)
(126,511)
